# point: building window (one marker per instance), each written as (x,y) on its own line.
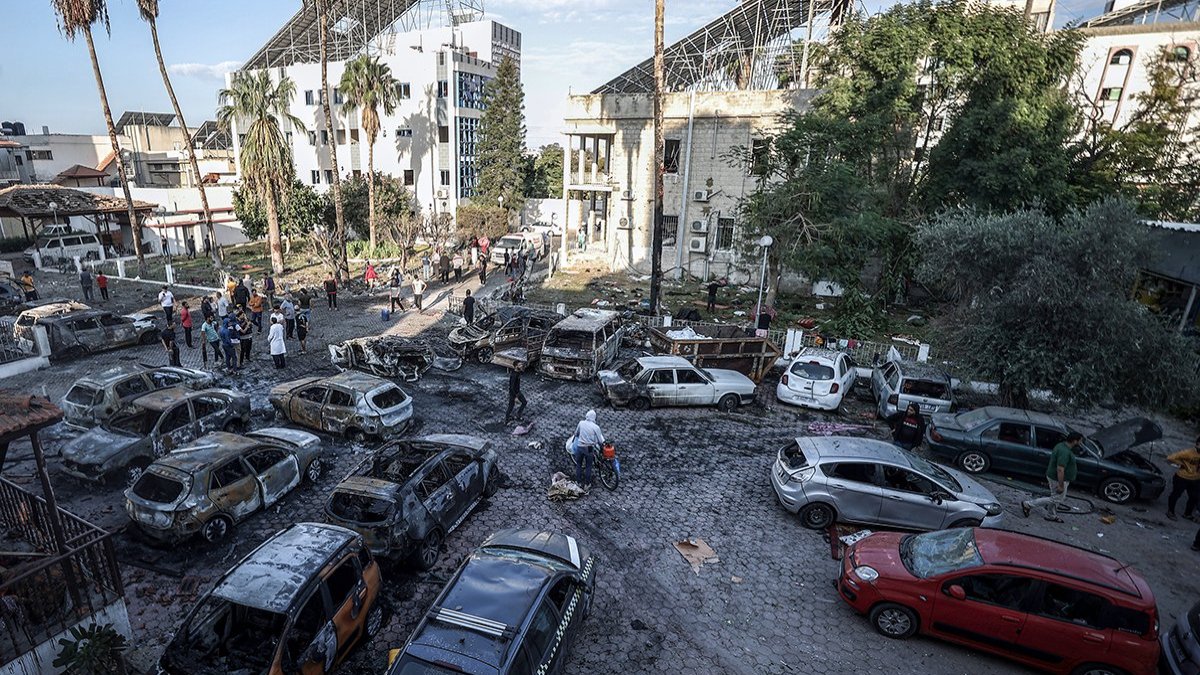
(39,155)
(443,134)
(443,88)
(724,233)
(1121,57)
(471,90)
(341,136)
(759,150)
(671,156)
(287,135)
(670,228)
(410,177)
(403,91)
(312,138)
(1110,94)
(403,132)
(329,176)
(1179,54)
(310,97)
(441,58)
(19,160)
(337,96)
(939,122)
(316,177)
(324,137)
(357,173)
(445,177)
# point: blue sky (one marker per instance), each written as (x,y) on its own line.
(568,45)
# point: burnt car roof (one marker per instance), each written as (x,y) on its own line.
(111,375)
(51,307)
(997,412)
(369,487)
(273,575)
(73,315)
(587,319)
(206,450)
(462,440)
(357,380)
(164,398)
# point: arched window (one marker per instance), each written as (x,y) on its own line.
(1179,54)
(1121,57)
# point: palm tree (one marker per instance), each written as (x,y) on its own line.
(149,10)
(259,106)
(368,85)
(76,17)
(342,271)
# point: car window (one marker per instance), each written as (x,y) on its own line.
(261,460)
(388,398)
(455,463)
(164,380)
(859,472)
(560,594)
(340,398)
(83,395)
(1008,432)
(308,622)
(314,394)
(689,376)
(1072,605)
(541,630)
(662,376)
(228,473)
(933,553)
(207,405)
(175,418)
(1048,438)
(926,388)
(812,371)
(1004,590)
(131,387)
(1129,620)
(342,580)
(893,379)
(895,478)
(112,320)
(85,324)
(433,479)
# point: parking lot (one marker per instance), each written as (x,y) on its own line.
(765,606)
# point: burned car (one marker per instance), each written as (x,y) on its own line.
(385,356)
(78,332)
(509,326)
(149,427)
(353,404)
(94,398)
(673,380)
(220,479)
(582,344)
(299,603)
(410,494)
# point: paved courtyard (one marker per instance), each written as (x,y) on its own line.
(767,605)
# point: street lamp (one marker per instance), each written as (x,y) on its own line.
(54,209)
(161,212)
(765,242)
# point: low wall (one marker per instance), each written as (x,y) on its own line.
(40,660)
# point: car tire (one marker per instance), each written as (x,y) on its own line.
(235,426)
(491,482)
(430,550)
(1097,669)
(484,356)
(1118,490)
(313,472)
(817,516)
(216,529)
(728,403)
(71,353)
(965,522)
(375,617)
(639,403)
(894,621)
(147,338)
(973,462)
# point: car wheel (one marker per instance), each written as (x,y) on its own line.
(134,471)
(965,522)
(894,621)
(430,550)
(492,482)
(216,529)
(147,338)
(973,461)
(356,435)
(728,403)
(817,516)
(484,355)
(1117,490)
(1097,669)
(639,403)
(374,622)
(313,472)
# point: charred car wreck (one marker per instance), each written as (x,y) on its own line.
(353,404)
(581,345)
(390,356)
(509,326)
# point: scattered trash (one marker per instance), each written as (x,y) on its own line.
(736,579)
(696,552)
(1108,520)
(740,313)
(916,320)
(820,305)
(534,445)
(686,333)
(1099,534)
(563,488)
(836,428)
(522,429)
(848,539)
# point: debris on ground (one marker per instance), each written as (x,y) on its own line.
(563,488)
(836,428)
(390,356)
(522,429)
(696,552)
(1108,520)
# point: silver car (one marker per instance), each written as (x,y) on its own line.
(672,380)
(861,480)
(94,398)
(897,383)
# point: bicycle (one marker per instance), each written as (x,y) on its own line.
(604,461)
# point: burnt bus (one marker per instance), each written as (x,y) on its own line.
(581,345)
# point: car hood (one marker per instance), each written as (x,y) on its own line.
(972,490)
(98,445)
(1130,433)
(609,377)
(729,377)
(292,436)
(881,551)
(369,487)
(467,334)
(946,421)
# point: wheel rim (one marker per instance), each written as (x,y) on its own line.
(429,552)
(974,462)
(484,356)
(893,622)
(215,529)
(375,619)
(608,475)
(1116,491)
(492,481)
(314,470)
(1099,671)
(817,516)
(640,404)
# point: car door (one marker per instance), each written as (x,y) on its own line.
(908,500)
(660,386)
(347,596)
(543,636)
(508,334)
(276,470)
(305,406)
(467,477)
(692,388)
(175,428)
(211,412)
(232,487)
(338,410)
(118,330)
(129,388)
(854,488)
(847,373)
(89,333)
(983,610)
(437,493)
(310,641)
(1065,624)
(1011,449)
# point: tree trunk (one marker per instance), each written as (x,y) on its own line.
(1013,396)
(134,226)
(191,150)
(273,234)
(657,237)
(371,189)
(343,270)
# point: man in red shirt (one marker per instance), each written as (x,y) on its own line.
(102,282)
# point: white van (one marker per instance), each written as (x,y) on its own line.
(83,244)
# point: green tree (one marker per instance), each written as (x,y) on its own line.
(259,107)
(502,138)
(304,213)
(543,173)
(368,85)
(393,201)
(1044,303)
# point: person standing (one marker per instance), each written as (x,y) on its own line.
(27,286)
(227,335)
(331,291)
(483,262)
(278,347)
(714,286)
(302,331)
(469,308)
(444,268)
(206,308)
(426,266)
(418,291)
(395,285)
(370,276)
(588,436)
(167,337)
(908,427)
(435,263)
(304,304)
(241,296)
(1186,480)
(269,289)
(85,282)
(507,263)
(210,339)
(185,321)
(222,307)
(190,245)
(102,284)
(245,335)
(456,264)
(256,309)
(1060,472)
(289,317)
(514,394)
(166,300)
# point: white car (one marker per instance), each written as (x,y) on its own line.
(673,380)
(817,378)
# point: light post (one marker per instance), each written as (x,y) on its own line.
(161,212)
(765,242)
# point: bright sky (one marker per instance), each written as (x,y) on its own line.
(568,45)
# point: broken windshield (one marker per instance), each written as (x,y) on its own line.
(134,420)
(159,489)
(933,553)
(361,508)
(82,395)
(570,339)
(388,398)
(225,637)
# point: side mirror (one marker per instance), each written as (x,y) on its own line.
(938,497)
(955,591)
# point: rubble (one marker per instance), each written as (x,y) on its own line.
(390,356)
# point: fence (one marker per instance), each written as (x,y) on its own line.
(10,347)
(43,592)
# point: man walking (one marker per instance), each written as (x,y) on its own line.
(102,284)
(1060,472)
(456,264)
(278,347)
(289,317)
(394,288)
(167,337)
(1186,480)
(185,321)
(245,336)
(588,436)
(241,296)
(714,286)
(908,427)
(469,308)
(228,344)
(256,309)
(514,393)
(222,307)
(483,261)
(418,291)
(166,300)
(85,282)
(331,291)
(444,268)
(27,286)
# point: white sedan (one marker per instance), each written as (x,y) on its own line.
(817,378)
(673,380)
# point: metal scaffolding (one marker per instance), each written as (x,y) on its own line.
(1149,12)
(759,44)
(355,26)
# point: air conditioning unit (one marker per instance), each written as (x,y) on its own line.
(626,194)
(698,244)
(701,196)
(699,227)
(623,224)
(442,194)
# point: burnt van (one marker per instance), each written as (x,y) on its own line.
(581,345)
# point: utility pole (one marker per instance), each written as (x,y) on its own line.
(657,240)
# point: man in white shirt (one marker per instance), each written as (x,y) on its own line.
(166,299)
(587,437)
(222,307)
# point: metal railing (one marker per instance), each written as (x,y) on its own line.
(44,592)
(11,349)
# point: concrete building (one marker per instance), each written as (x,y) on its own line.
(44,156)
(157,151)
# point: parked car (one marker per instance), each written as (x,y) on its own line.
(673,380)
(1045,604)
(897,383)
(65,245)
(517,243)
(581,345)
(817,378)
(149,427)
(352,403)
(94,398)
(409,495)
(515,606)
(41,309)
(299,603)
(75,333)
(1018,442)
(220,479)
(827,479)
(1181,645)
(508,326)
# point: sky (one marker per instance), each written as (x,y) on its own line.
(567,46)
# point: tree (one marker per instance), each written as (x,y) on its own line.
(260,106)
(502,138)
(149,11)
(77,17)
(304,213)
(392,200)
(1044,303)
(341,267)
(368,85)
(656,236)
(476,220)
(543,173)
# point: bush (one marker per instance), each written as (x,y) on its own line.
(362,249)
(475,220)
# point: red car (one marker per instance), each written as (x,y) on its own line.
(1048,605)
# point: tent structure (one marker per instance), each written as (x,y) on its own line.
(36,205)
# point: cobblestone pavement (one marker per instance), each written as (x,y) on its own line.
(767,606)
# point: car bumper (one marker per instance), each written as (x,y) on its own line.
(994,522)
(1176,659)
(827,402)
(791,495)
(853,591)
(86,472)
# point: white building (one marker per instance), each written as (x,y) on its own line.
(429,142)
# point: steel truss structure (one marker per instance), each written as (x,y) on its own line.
(760,44)
(356,26)
(1149,12)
